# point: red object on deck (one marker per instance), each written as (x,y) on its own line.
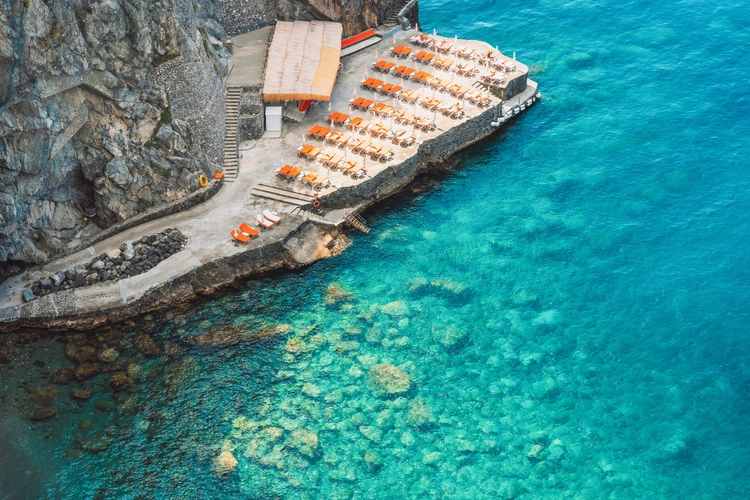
(305,105)
(357,38)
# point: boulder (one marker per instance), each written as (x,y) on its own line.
(97,265)
(86,355)
(304,441)
(418,413)
(173,350)
(94,444)
(62,377)
(227,335)
(386,378)
(86,371)
(28,295)
(46,396)
(71,274)
(46,284)
(121,380)
(146,345)
(451,337)
(80,394)
(108,355)
(224,463)
(42,414)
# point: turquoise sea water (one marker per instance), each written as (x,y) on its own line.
(570,305)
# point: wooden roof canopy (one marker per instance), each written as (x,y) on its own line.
(303,60)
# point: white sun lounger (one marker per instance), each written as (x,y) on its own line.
(272,216)
(265,224)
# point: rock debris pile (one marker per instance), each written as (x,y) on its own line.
(131,259)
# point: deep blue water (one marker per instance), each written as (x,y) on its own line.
(570,304)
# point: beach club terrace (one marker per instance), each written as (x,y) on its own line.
(333,122)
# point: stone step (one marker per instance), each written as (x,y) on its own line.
(278,197)
(284,192)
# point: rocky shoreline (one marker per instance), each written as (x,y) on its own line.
(131,259)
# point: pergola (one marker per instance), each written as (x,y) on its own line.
(303,60)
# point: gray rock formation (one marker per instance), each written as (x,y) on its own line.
(240,16)
(112,105)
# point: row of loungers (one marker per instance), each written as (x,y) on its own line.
(313,179)
(447,47)
(265,220)
(317,180)
(364,127)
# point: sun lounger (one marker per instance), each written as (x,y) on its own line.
(248,231)
(396,135)
(378,65)
(262,222)
(333,116)
(284,170)
(272,216)
(397,49)
(314,131)
(305,149)
(408,141)
(294,173)
(358,171)
(237,235)
(363,126)
(310,155)
(366,83)
(419,55)
(405,118)
(331,139)
(321,181)
(354,122)
(309,177)
(410,96)
(356,102)
(342,140)
(404,52)
(362,147)
(333,161)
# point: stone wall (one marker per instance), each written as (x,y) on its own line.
(409,15)
(431,151)
(514,87)
(108,104)
(241,16)
(251,123)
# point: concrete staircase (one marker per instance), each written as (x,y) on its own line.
(231,116)
(281,194)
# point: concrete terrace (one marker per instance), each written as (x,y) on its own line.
(211,259)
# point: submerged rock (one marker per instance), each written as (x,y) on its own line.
(304,441)
(80,394)
(86,355)
(87,371)
(227,335)
(224,463)
(94,444)
(386,378)
(46,396)
(108,355)
(451,337)
(42,414)
(418,413)
(62,377)
(146,345)
(336,294)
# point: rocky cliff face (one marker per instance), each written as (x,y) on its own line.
(112,105)
(241,16)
